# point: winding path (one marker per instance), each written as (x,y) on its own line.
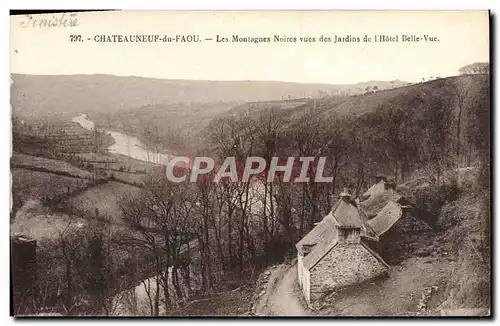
(283,298)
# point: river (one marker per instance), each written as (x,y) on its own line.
(125,144)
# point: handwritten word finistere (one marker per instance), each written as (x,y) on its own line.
(56,20)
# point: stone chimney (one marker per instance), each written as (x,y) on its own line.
(345,195)
(349,234)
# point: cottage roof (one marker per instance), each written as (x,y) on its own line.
(320,231)
(346,214)
(326,245)
(342,214)
(386,218)
(321,249)
(372,206)
(376,189)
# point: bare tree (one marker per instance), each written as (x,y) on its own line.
(460,88)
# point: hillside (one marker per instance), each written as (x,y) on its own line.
(38,95)
(179,126)
(358,104)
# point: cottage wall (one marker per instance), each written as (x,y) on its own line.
(300,267)
(344,265)
(306,288)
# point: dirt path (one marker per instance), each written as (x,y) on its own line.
(282,294)
(397,295)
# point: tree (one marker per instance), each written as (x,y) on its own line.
(475,68)
(436,122)
(149,216)
(460,88)
(272,125)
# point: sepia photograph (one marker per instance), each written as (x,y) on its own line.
(250,164)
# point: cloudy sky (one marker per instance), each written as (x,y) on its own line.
(463,39)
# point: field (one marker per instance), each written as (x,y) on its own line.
(41,164)
(35,222)
(117,162)
(35,185)
(54,136)
(104,197)
(96,157)
(131,178)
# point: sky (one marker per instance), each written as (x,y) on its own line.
(463,39)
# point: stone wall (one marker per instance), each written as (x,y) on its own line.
(306,285)
(344,265)
(300,268)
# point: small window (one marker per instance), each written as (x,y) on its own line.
(307,249)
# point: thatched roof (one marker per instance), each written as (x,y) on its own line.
(386,218)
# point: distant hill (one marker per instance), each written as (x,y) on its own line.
(40,95)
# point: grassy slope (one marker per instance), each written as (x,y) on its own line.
(41,164)
(406,96)
(463,221)
(33,185)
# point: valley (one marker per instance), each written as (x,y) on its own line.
(88,184)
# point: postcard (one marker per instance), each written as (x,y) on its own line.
(250,163)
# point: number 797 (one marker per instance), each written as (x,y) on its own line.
(75,38)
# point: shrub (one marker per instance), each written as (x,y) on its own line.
(428,201)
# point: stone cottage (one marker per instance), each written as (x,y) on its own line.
(334,255)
